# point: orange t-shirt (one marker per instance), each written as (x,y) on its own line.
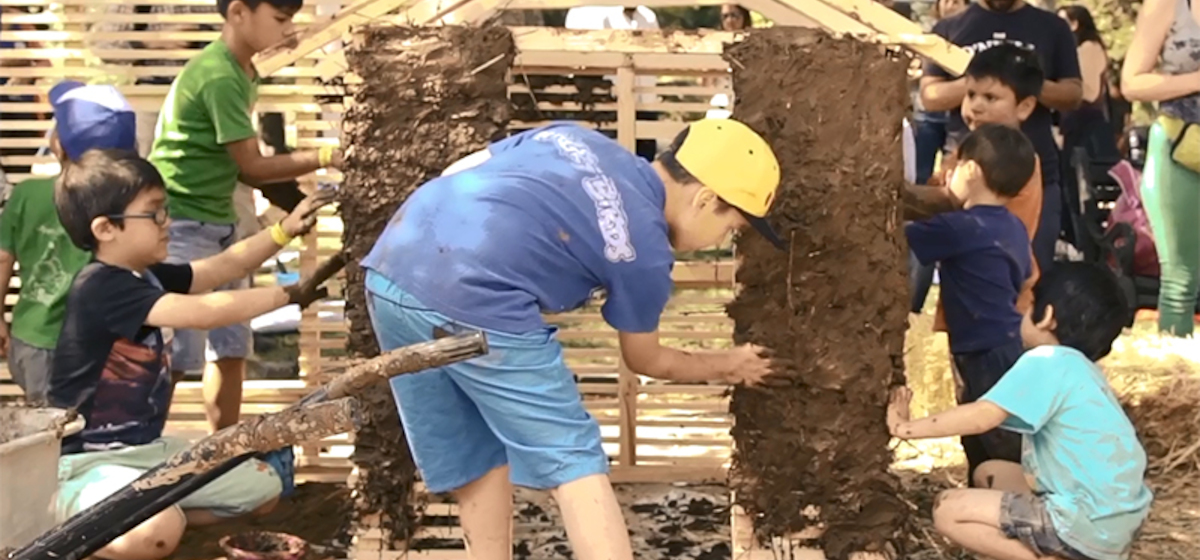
(1027,207)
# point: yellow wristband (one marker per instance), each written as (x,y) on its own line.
(279,236)
(325,156)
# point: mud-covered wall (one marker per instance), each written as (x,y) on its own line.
(834,305)
(429,96)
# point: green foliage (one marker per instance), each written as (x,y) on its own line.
(686,17)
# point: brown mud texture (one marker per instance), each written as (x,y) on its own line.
(812,447)
(429,97)
(316,512)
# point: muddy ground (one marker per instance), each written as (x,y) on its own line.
(430,97)
(666,521)
(833,306)
(315,512)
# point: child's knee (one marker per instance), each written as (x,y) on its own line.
(986,473)
(945,509)
(1001,475)
(155,539)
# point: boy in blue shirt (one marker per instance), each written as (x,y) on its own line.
(984,259)
(539,222)
(1079,491)
(1002,84)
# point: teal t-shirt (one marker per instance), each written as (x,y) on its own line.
(1079,447)
(31,232)
(209,106)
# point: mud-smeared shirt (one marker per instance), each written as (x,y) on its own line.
(1079,447)
(555,215)
(110,365)
(1047,35)
(983,260)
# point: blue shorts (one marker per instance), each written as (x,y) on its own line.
(518,405)
(192,241)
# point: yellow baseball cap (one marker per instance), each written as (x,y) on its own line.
(737,164)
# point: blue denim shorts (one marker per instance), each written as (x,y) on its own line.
(518,405)
(192,241)
(1024,517)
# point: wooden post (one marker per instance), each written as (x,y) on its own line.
(627,394)
(627,380)
(626,105)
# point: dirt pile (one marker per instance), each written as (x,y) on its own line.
(1168,424)
(834,305)
(429,97)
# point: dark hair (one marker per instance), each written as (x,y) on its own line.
(1004,154)
(1015,67)
(676,171)
(286,6)
(1086,25)
(1090,309)
(100,183)
(671,165)
(745,15)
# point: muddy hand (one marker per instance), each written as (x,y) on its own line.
(304,295)
(304,217)
(898,408)
(750,364)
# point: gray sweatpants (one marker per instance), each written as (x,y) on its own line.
(30,368)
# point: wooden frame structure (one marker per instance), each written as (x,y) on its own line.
(650,428)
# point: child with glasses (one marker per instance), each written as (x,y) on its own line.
(112,362)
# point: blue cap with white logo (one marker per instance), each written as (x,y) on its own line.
(92,117)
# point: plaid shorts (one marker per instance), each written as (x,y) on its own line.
(1024,517)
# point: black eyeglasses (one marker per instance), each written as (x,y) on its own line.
(159,217)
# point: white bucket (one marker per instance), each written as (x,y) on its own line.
(29,452)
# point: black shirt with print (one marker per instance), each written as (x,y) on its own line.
(1048,35)
(109,365)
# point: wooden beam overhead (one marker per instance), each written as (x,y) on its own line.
(883,25)
(698,41)
(863,19)
(319,35)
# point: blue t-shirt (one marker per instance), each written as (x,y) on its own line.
(556,214)
(984,259)
(1079,447)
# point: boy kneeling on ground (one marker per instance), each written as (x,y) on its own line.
(112,362)
(1079,492)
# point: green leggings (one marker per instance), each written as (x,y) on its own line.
(1171,194)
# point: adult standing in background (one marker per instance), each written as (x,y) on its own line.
(992,22)
(735,17)
(930,126)
(1163,65)
(1088,126)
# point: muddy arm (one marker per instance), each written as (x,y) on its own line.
(923,202)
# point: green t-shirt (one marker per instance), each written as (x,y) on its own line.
(209,106)
(31,232)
